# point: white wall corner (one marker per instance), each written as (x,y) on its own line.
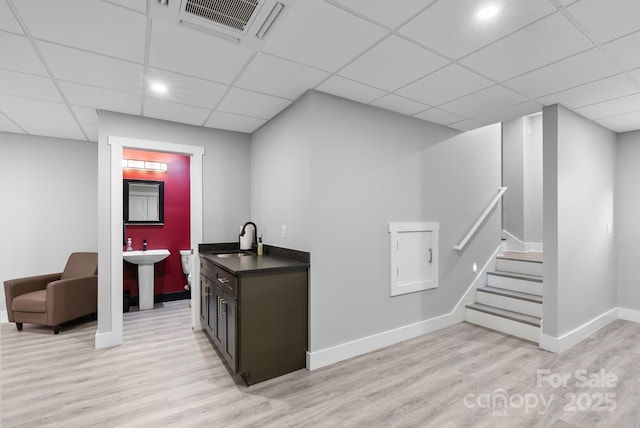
(4,317)
(629,315)
(577,335)
(106,340)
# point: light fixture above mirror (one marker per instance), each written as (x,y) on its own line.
(144,165)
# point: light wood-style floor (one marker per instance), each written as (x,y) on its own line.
(167,375)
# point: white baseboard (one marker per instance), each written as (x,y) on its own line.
(107,339)
(4,317)
(577,335)
(344,351)
(629,314)
(513,243)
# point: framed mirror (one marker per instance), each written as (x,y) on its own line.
(143,202)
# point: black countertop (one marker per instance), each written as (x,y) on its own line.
(255,264)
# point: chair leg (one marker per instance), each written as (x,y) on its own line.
(56,329)
(19,326)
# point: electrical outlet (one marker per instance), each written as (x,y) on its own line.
(284,231)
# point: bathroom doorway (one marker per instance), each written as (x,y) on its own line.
(110,265)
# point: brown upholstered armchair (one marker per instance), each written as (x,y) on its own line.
(55,298)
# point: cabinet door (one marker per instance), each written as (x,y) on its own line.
(217,321)
(204,301)
(229,316)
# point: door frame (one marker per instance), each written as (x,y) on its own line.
(110,308)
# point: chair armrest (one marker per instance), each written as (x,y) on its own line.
(18,286)
(71,298)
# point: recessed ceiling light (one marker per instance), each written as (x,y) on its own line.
(487,12)
(159,88)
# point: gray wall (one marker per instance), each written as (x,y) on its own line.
(627,219)
(369,167)
(580,261)
(281,178)
(49,192)
(513,177)
(532,179)
(522,174)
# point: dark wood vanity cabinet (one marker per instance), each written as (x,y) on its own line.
(256,319)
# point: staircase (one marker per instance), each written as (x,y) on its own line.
(511,302)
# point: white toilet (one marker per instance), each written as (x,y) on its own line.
(185,258)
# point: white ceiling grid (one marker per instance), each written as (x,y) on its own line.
(430,59)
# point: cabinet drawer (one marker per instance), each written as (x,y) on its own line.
(227,282)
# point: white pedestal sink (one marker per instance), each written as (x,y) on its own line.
(145,261)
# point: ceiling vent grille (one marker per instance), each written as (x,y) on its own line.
(234,14)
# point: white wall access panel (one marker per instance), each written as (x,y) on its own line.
(414,257)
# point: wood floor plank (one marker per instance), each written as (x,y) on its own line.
(166,375)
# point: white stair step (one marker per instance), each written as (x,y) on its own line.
(517,282)
(525,303)
(509,322)
(526,267)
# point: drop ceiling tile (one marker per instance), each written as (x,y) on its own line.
(607,20)
(86,114)
(542,43)
(6,125)
(591,93)
(390,14)
(23,57)
(345,88)
(234,122)
(451,27)
(275,76)
(166,110)
(102,99)
(399,104)
(35,125)
(28,85)
(91,130)
(524,109)
(186,90)
(465,125)
(8,22)
(393,63)
(73,65)
(139,5)
(626,50)
(249,103)
(611,108)
(581,68)
(438,116)
(486,100)
(36,108)
(445,85)
(91,25)
(195,53)
(622,123)
(322,35)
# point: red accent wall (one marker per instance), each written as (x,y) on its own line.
(175,234)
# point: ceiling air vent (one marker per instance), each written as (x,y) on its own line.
(247,23)
(235,14)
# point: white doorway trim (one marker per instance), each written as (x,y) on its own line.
(110,283)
